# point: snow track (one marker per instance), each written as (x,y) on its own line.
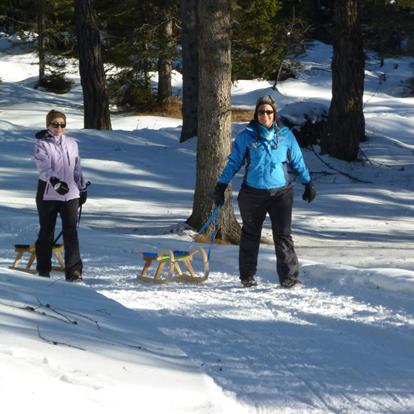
(311,349)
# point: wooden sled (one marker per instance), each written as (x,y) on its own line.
(173,258)
(21,249)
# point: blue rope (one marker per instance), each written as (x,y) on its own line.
(212,219)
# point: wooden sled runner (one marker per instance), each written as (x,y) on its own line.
(172,259)
(21,249)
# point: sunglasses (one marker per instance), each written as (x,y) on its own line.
(268,112)
(57,125)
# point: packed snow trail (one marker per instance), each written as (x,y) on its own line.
(321,348)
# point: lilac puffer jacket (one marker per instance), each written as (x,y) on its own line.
(57,156)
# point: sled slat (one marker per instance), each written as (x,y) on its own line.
(175,273)
(21,249)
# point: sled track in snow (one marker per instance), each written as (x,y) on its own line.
(269,345)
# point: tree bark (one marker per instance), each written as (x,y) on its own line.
(41,41)
(189,24)
(214,116)
(346,123)
(165,60)
(95,95)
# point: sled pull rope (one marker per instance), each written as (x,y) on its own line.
(212,219)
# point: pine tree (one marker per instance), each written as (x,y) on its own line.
(167,12)
(138,43)
(189,27)
(214,115)
(95,97)
(256,49)
(346,123)
(53,21)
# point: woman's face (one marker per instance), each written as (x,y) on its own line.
(57,126)
(265,115)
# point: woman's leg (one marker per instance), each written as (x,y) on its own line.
(252,207)
(280,212)
(47,211)
(69,215)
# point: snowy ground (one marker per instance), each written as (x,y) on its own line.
(342,343)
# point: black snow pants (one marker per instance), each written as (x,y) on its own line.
(254,204)
(48,211)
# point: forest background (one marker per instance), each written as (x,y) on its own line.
(123,46)
(139,37)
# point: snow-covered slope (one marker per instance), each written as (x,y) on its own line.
(343,342)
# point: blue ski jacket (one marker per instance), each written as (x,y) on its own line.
(266,154)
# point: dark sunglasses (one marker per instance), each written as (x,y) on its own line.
(268,112)
(57,125)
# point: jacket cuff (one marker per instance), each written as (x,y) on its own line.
(221,186)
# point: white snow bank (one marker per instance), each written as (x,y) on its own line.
(68,348)
(392,279)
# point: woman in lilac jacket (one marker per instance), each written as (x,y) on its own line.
(61,190)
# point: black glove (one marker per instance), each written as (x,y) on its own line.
(310,192)
(59,186)
(218,194)
(83,196)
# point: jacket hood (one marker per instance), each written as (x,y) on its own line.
(252,124)
(44,133)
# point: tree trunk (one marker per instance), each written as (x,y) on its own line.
(95,95)
(214,116)
(189,24)
(164,59)
(146,65)
(346,123)
(41,41)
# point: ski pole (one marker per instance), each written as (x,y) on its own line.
(88,183)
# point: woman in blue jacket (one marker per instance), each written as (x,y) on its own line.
(266,151)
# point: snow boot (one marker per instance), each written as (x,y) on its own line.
(76,277)
(289,282)
(248,281)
